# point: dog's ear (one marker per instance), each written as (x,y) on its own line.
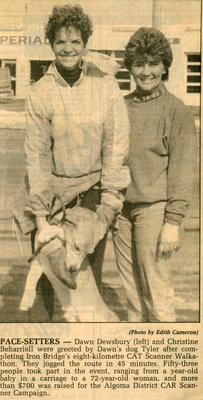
(89,231)
(98,233)
(73,216)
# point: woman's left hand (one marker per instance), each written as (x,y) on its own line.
(168,241)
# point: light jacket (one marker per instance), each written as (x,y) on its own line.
(76,136)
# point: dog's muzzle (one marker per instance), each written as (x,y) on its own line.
(57,260)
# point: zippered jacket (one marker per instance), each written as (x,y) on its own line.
(76,136)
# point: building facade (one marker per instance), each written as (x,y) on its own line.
(27,53)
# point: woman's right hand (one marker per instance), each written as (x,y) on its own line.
(46,232)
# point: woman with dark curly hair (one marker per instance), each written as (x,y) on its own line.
(160,160)
(77,129)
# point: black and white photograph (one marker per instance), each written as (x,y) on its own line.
(100,120)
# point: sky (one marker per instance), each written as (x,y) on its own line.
(110,12)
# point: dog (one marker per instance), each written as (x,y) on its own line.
(68,269)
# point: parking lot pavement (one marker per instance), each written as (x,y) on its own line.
(14,268)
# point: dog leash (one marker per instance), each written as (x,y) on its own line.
(37,251)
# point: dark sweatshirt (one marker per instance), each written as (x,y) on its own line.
(161,156)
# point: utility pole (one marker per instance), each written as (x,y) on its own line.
(25,14)
(157,13)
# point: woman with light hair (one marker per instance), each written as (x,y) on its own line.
(161,161)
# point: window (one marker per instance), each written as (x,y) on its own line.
(38,69)
(11,64)
(123,75)
(193,73)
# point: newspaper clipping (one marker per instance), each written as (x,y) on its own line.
(100,251)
